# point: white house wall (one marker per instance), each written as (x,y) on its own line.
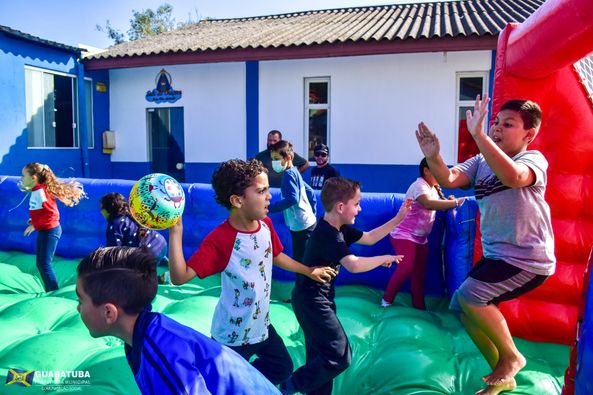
(376,102)
(214,110)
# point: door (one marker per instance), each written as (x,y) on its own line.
(165,132)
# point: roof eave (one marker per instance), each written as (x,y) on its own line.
(16,34)
(472,43)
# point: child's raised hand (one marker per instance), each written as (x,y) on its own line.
(178,227)
(475,120)
(428,141)
(404,209)
(389,259)
(322,274)
(458,200)
(30,229)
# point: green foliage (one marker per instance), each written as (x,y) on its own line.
(147,23)
(114,34)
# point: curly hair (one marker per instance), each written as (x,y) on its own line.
(68,192)
(233,177)
(125,276)
(116,205)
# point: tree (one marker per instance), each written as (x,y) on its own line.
(146,23)
(149,23)
(114,34)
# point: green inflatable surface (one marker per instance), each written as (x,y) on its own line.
(397,350)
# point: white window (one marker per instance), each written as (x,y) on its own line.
(469,85)
(52,109)
(317,113)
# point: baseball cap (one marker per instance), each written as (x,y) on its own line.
(321,148)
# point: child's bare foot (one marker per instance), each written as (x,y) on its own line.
(496,389)
(505,370)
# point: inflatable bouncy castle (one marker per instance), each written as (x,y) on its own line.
(398,350)
(536,60)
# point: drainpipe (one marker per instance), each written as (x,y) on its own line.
(82,121)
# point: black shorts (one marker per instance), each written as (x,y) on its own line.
(492,281)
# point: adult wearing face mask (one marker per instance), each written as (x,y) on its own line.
(274,178)
(323,171)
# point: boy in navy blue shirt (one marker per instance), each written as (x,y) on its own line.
(115,286)
(298,201)
(327,347)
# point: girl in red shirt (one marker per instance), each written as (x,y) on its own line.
(44,215)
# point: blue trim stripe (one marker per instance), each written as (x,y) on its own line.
(164,368)
(161,373)
(252,108)
(491,80)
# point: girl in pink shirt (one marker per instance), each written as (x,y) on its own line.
(44,215)
(410,237)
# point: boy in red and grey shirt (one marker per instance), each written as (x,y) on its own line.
(243,249)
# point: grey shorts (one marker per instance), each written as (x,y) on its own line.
(493,281)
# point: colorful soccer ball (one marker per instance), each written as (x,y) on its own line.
(157,201)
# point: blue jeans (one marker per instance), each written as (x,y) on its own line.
(47,241)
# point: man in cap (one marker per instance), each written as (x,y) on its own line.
(323,171)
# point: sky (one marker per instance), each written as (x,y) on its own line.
(73,22)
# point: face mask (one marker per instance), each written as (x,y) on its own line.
(277,166)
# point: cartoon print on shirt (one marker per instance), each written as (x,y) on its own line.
(230,275)
(237,294)
(268,250)
(233,337)
(254,238)
(262,270)
(257,311)
(245,338)
(245,262)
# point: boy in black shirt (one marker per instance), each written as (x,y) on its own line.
(323,171)
(327,347)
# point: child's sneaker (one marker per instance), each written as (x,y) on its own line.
(385,303)
(165,278)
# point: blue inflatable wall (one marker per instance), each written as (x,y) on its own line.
(584,368)
(459,243)
(84,229)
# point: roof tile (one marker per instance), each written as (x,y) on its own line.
(454,18)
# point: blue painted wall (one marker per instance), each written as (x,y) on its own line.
(100,163)
(15,54)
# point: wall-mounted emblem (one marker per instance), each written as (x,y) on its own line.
(164,92)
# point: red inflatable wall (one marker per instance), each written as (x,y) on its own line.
(535,61)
